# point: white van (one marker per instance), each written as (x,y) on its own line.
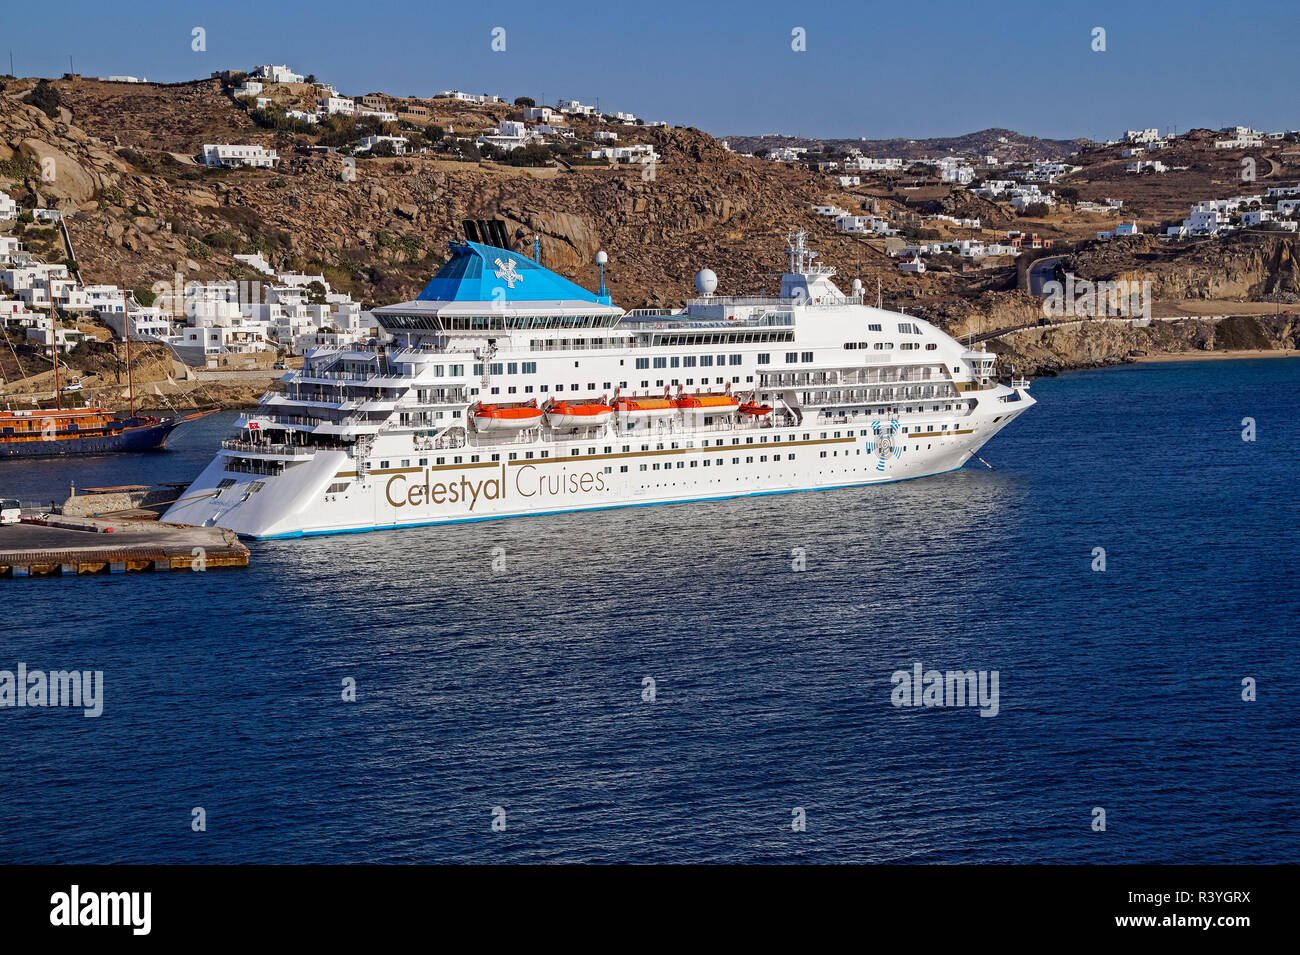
(10,511)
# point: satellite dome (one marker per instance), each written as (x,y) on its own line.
(857,285)
(601,257)
(706,281)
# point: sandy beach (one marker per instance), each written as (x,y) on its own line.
(1210,355)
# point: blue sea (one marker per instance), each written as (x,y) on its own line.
(519,696)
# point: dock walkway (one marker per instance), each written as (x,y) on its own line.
(67,546)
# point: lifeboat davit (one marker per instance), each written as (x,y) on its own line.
(754,409)
(644,409)
(700,406)
(489,418)
(570,415)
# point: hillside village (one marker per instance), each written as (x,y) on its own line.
(218,236)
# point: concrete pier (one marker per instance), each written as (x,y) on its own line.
(68,546)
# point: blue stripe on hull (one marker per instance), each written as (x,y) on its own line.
(294,535)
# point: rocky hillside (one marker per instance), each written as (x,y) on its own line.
(120,161)
(140,208)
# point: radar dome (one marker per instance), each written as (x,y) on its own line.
(706,281)
(601,257)
(857,285)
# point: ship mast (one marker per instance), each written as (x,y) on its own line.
(126,330)
(54,335)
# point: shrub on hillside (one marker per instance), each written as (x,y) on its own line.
(45,97)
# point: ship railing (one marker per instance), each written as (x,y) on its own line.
(263,447)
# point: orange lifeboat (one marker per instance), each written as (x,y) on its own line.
(697,407)
(570,415)
(643,409)
(754,409)
(489,418)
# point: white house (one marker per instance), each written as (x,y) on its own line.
(846,181)
(9,246)
(400,144)
(1141,135)
(542,114)
(147,324)
(8,207)
(1146,165)
(276,74)
(605,136)
(336,104)
(249,88)
(229,156)
(638,153)
(572,107)
(383,115)
(105,299)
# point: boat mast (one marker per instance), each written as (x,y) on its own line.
(126,330)
(54,334)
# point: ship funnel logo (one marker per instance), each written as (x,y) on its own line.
(506,272)
(884,442)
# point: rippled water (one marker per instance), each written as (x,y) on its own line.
(523,689)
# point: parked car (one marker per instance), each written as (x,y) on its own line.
(10,511)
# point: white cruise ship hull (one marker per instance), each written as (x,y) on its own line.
(299,503)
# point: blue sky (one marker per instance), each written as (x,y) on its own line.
(870,69)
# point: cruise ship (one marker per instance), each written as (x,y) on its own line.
(505,389)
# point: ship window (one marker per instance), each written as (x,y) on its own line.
(495,457)
(622,469)
(383,464)
(661,362)
(749,459)
(528,454)
(643,467)
(513,455)
(545,454)
(544,387)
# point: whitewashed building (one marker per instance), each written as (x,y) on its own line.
(228,156)
(276,74)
